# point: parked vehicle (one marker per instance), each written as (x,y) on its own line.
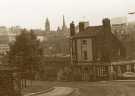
(128,75)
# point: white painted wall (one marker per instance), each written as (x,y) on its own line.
(88,48)
(79,50)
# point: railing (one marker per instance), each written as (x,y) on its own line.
(104,71)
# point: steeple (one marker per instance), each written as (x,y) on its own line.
(64,24)
(64,21)
(58,29)
(47,25)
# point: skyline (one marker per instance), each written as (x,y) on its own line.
(32,14)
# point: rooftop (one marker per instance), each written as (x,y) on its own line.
(89,32)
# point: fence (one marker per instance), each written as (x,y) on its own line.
(103,71)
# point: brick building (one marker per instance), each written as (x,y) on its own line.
(92,45)
(95,43)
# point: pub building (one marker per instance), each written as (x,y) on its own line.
(93,49)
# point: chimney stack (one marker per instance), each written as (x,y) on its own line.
(106,25)
(72,29)
(81,26)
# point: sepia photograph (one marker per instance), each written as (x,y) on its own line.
(67,48)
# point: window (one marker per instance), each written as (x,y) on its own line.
(85,55)
(84,49)
(84,42)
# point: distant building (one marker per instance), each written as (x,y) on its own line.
(3,30)
(95,43)
(7,36)
(64,29)
(131,28)
(4,45)
(13,32)
(55,42)
(40,34)
(129,42)
(119,27)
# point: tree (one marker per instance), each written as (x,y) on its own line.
(26,53)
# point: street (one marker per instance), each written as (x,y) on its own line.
(105,88)
(58,91)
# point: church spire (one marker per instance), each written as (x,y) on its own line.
(58,29)
(64,25)
(64,28)
(47,25)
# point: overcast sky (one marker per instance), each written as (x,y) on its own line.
(32,13)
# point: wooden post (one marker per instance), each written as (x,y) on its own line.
(134,67)
(119,71)
(94,72)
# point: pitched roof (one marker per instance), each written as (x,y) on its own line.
(89,32)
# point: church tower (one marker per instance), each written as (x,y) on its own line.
(47,25)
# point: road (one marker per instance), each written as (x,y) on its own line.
(59,91)
(107,89)
(92,89)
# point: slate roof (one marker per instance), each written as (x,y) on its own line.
(89,32)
